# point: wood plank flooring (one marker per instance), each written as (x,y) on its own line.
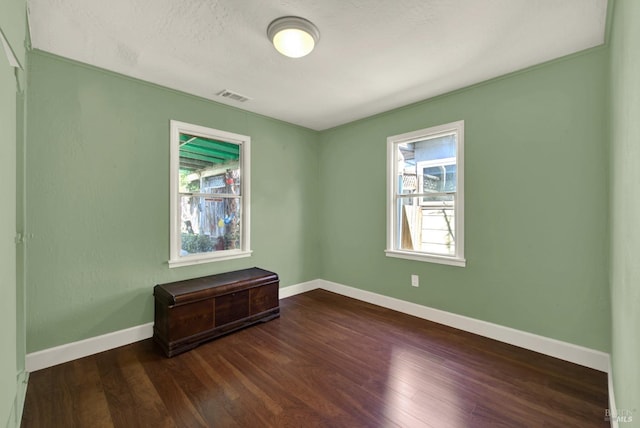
(328,361)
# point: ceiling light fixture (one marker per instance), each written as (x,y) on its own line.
(293,36)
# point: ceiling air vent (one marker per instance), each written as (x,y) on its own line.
(232,95)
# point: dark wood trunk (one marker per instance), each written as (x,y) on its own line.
(193,311)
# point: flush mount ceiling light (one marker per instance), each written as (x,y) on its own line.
(293,36)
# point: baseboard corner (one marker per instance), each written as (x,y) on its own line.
(292,290)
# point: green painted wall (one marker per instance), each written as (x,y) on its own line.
(536,225)
(13,26)
(98,198)
(625,206)
(13,23)
(7,245)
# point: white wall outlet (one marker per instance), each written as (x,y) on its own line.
(415,280)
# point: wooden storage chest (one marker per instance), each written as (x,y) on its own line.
(193,311)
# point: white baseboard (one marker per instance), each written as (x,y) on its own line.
(555,348)
(303,287)
(83,348)
(566,351)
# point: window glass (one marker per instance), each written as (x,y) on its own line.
(209,219)
(425,214)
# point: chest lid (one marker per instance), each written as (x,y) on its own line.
(191,290)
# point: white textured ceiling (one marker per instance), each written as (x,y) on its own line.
(373,55)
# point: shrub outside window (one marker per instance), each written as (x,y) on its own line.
(425,195)
(209,195)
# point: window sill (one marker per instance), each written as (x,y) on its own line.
(430,258)
(199,259)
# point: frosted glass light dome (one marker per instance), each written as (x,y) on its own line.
(293,36)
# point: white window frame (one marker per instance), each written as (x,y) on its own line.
(393,248)
(244,142)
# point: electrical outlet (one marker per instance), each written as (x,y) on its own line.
(415,280)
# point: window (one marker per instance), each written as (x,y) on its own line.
(209,195)
(425,195)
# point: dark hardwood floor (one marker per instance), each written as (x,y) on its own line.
(328,361)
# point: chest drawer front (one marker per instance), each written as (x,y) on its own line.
(187,320)
(232,307)
(264,298)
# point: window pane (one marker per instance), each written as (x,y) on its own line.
(208,166)
(429,227)
(438,226)
(441,147)
(439,178)
(427,165)
(407,172)
(425,214)
(209,224)
(210,183)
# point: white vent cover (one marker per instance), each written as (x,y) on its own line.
(232,95)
